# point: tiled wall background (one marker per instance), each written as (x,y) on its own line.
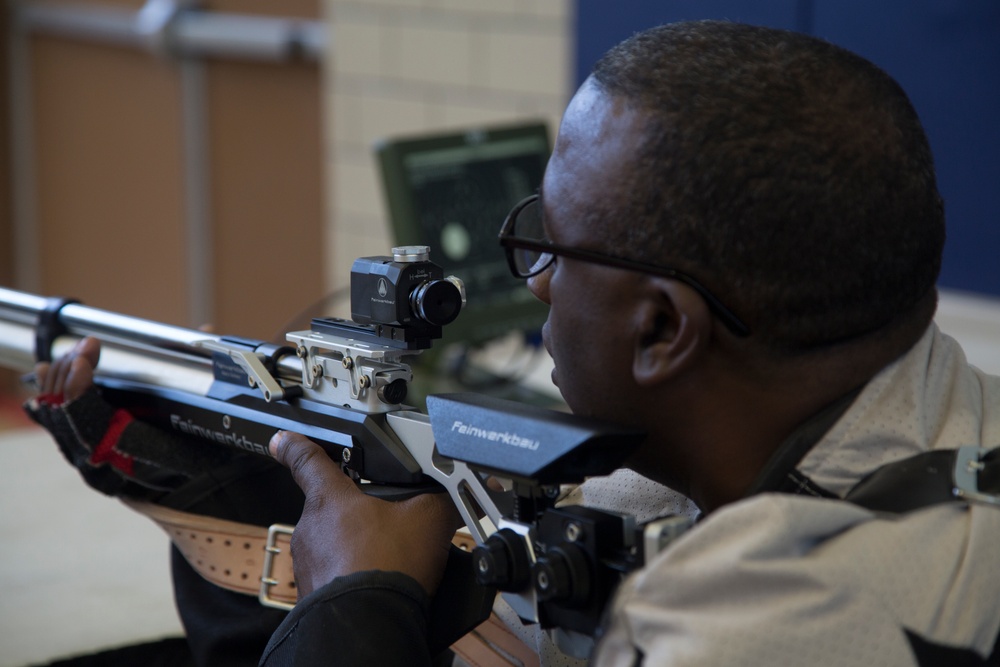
(400,67)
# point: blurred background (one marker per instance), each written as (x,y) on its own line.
(216,163)
(213,162)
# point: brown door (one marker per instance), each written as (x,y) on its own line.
(167,162)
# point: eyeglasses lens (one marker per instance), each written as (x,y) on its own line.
(528,226)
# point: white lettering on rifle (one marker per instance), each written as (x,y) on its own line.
(188,427)
(506,437)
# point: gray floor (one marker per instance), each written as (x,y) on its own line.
(78,571)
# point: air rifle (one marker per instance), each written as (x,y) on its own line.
(343,384)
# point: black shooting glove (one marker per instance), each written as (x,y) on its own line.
(118,455)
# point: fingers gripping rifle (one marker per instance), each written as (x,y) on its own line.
(343,384)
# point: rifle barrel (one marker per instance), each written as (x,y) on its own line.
(167,352)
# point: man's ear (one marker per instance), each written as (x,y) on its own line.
(673,329)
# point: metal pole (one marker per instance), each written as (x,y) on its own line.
(27,271)
(198,221)
(167,26)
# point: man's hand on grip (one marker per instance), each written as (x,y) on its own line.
(343,531)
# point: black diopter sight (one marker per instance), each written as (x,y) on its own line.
(405,296)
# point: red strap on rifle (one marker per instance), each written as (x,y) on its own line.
(53,400)
(106,450)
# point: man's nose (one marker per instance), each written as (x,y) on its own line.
(539,285)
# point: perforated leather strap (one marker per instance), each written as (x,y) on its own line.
(492,644)
(232,555)
(228,554)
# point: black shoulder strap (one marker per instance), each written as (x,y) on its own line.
(966,474)
(931,654)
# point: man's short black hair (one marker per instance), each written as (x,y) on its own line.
(790,175)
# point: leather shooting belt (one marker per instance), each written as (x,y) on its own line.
(239,557)
(254,560)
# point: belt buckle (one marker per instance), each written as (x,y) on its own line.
(968,463)
(271,550)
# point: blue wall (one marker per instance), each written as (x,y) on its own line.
(945,53)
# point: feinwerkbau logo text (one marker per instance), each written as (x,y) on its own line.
(231,439)
(505,437)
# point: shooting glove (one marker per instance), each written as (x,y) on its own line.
(121,456)
(118,455)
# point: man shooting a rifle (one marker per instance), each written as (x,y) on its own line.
(738,236)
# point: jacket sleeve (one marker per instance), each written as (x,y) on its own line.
(367,618)
(779,579)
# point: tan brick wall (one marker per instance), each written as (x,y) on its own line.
(398,67)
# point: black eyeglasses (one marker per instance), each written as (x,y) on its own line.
(529,253)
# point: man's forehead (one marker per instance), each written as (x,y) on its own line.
(593,113)
(588,102)
(594,157)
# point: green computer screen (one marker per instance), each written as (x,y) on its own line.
(452,191)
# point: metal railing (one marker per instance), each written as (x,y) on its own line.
(178,29)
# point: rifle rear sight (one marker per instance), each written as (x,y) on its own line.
(399,305)
(403,300)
